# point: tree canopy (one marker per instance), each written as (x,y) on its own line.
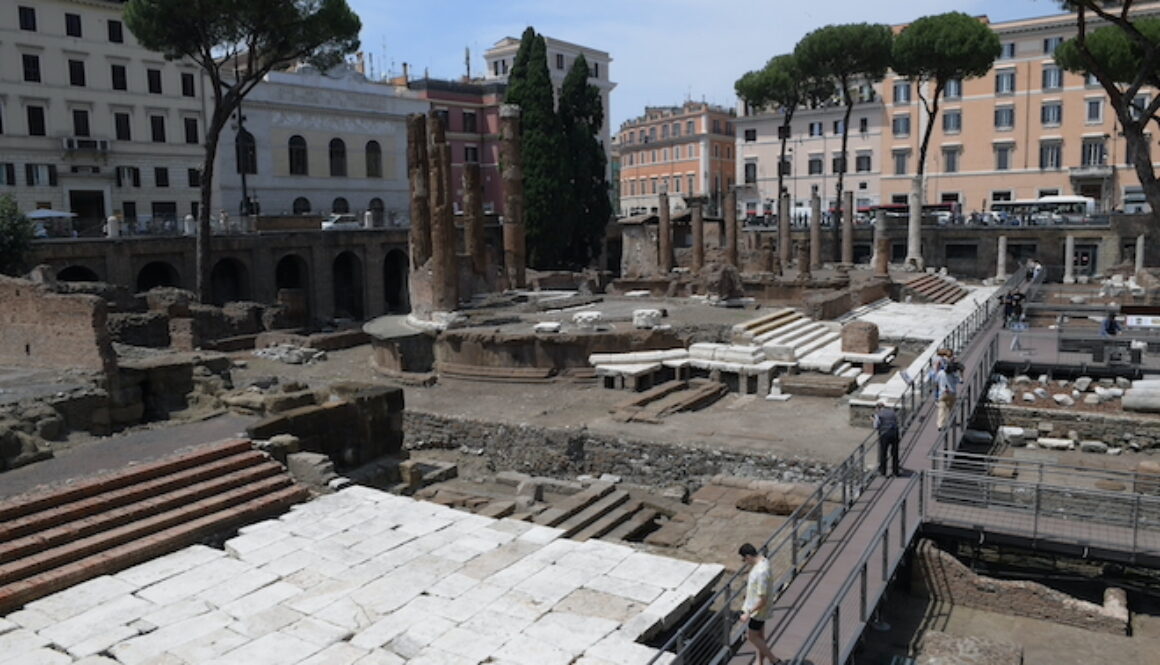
(15,237)
(236,43)
(581,117)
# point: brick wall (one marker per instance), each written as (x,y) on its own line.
(43,329)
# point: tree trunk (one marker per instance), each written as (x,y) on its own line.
(916,201)
(842,171)
(204,234)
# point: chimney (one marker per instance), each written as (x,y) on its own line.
(406,73)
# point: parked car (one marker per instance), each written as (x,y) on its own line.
(340,222)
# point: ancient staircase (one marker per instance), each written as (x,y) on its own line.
(54,539)
(933,288)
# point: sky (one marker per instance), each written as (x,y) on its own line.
(664,52)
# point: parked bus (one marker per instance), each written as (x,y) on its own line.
(1045,210)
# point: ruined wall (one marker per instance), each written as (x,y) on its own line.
(43,329)
(565,452)
(560,351)
(943,578)
(1134,431)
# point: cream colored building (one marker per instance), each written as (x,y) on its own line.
(90,122)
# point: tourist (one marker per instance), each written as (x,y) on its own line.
(947,390)
(1017,299)
(1110,327)
(758,606)
(1008,309)
(886,423)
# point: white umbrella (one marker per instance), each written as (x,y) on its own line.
(45,213)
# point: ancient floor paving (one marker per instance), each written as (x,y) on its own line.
(369,578)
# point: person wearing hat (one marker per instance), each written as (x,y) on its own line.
(758,606)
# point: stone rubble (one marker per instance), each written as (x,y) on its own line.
(291,354)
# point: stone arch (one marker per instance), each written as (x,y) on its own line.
(292,282)
(395,273)
(229,281)
(348,286)
(301,205)
(76,273)
(337,158)
(340,206)
(157,273)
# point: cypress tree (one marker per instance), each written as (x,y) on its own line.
(588,207)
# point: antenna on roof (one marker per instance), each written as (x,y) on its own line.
(467,60)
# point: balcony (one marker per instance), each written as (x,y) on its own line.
(73,144)
(1090,172)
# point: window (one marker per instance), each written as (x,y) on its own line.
(950,160)
(1004,117)
(374,159)
(1001,195)
(1007,50)
(1095,110)
(1050,155)
(953,89)
(161,176)
(153,78)
(245,152)
(1005,82)
(301,205)
(31,67)
(750,173)
(691,183)
(1050,44)
(838,128)
(750,135)
(1047,192)
(676,129)
(665,155)
(652,185)
(126,176)
(469,124)
(1003,154)
(815,129)
(190,130)
(690,127)
(785,168)
(1094,153)
(72,25)
(1091,81)
(652,134)
(815,165)
(76,72)
(901,92)
(40,175)
(953,121)
(157,128)
(594,71)
(900,125)
(1139,105)
(559,61)
(862,163)
(116,32)
(36,121)
(121,126)
(297,153)
(80,122)
(1052,78)
(677,152)
(1051,113)
(118,76)
(664,131)
(337,158)
(676,183)
(838,164)
(901,157)
(863,125)
(187,87)
(193,177)
(632,188)
(716,125)
(27,18)
(8,175)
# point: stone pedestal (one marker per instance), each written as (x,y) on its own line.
(783,226)
(664,235)
(698,221)
(731,228)
(848,227)
(1069,260)
(815,232)
(1001,260)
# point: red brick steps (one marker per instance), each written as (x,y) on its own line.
(934,289)
(54,539)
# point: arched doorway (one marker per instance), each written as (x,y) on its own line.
(376,207)
(340,206)
(77,274)
(348,287)
(301,205)
(292,281)
(155,274)
(398,300)
(229,282)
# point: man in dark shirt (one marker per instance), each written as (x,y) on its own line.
(886,422)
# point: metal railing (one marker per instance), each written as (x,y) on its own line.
(710,634)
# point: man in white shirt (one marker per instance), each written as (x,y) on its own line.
(758,606)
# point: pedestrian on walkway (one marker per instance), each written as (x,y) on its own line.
(1110,327)
(758,606)
(886,423)
(947,385)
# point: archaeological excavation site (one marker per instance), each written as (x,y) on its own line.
(404,444)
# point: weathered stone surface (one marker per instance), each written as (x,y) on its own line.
(1092,446)
(1144,401)
(646,318)
(1091,398)
(1083,383)
(1052,443)
(311,468)
(1063,400)
(1029,397)
(1021,380)
(860,337)
(765,502)
(939,648)
(722,281)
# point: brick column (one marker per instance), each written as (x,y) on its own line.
(698,222)
(784,243)
(815,231)
(444,277)
(511,161)
(731,228)
(848,227)
(473,241)
(417,167)
(664,235)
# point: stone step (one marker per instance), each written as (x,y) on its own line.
(561,511)
(640,520)
(592,513)
(609,522)
(497,509)
(137,550)
(793,332)
(818,342)
(789,327)
(751,329)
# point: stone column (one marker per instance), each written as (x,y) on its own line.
(805,250)
(914,227)
(1001,260)
(417,167)
(848,227)
(698,222)
(784,244)
(664,235)
(815,232)
(731,228)
(511,161)
(1069,260)
(881,245)
(444,277)
(473,242)
(1140,253)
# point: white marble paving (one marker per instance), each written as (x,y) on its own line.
(362,577)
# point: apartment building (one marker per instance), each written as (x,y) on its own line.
(685,150)
(91,122)
(1026,129)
